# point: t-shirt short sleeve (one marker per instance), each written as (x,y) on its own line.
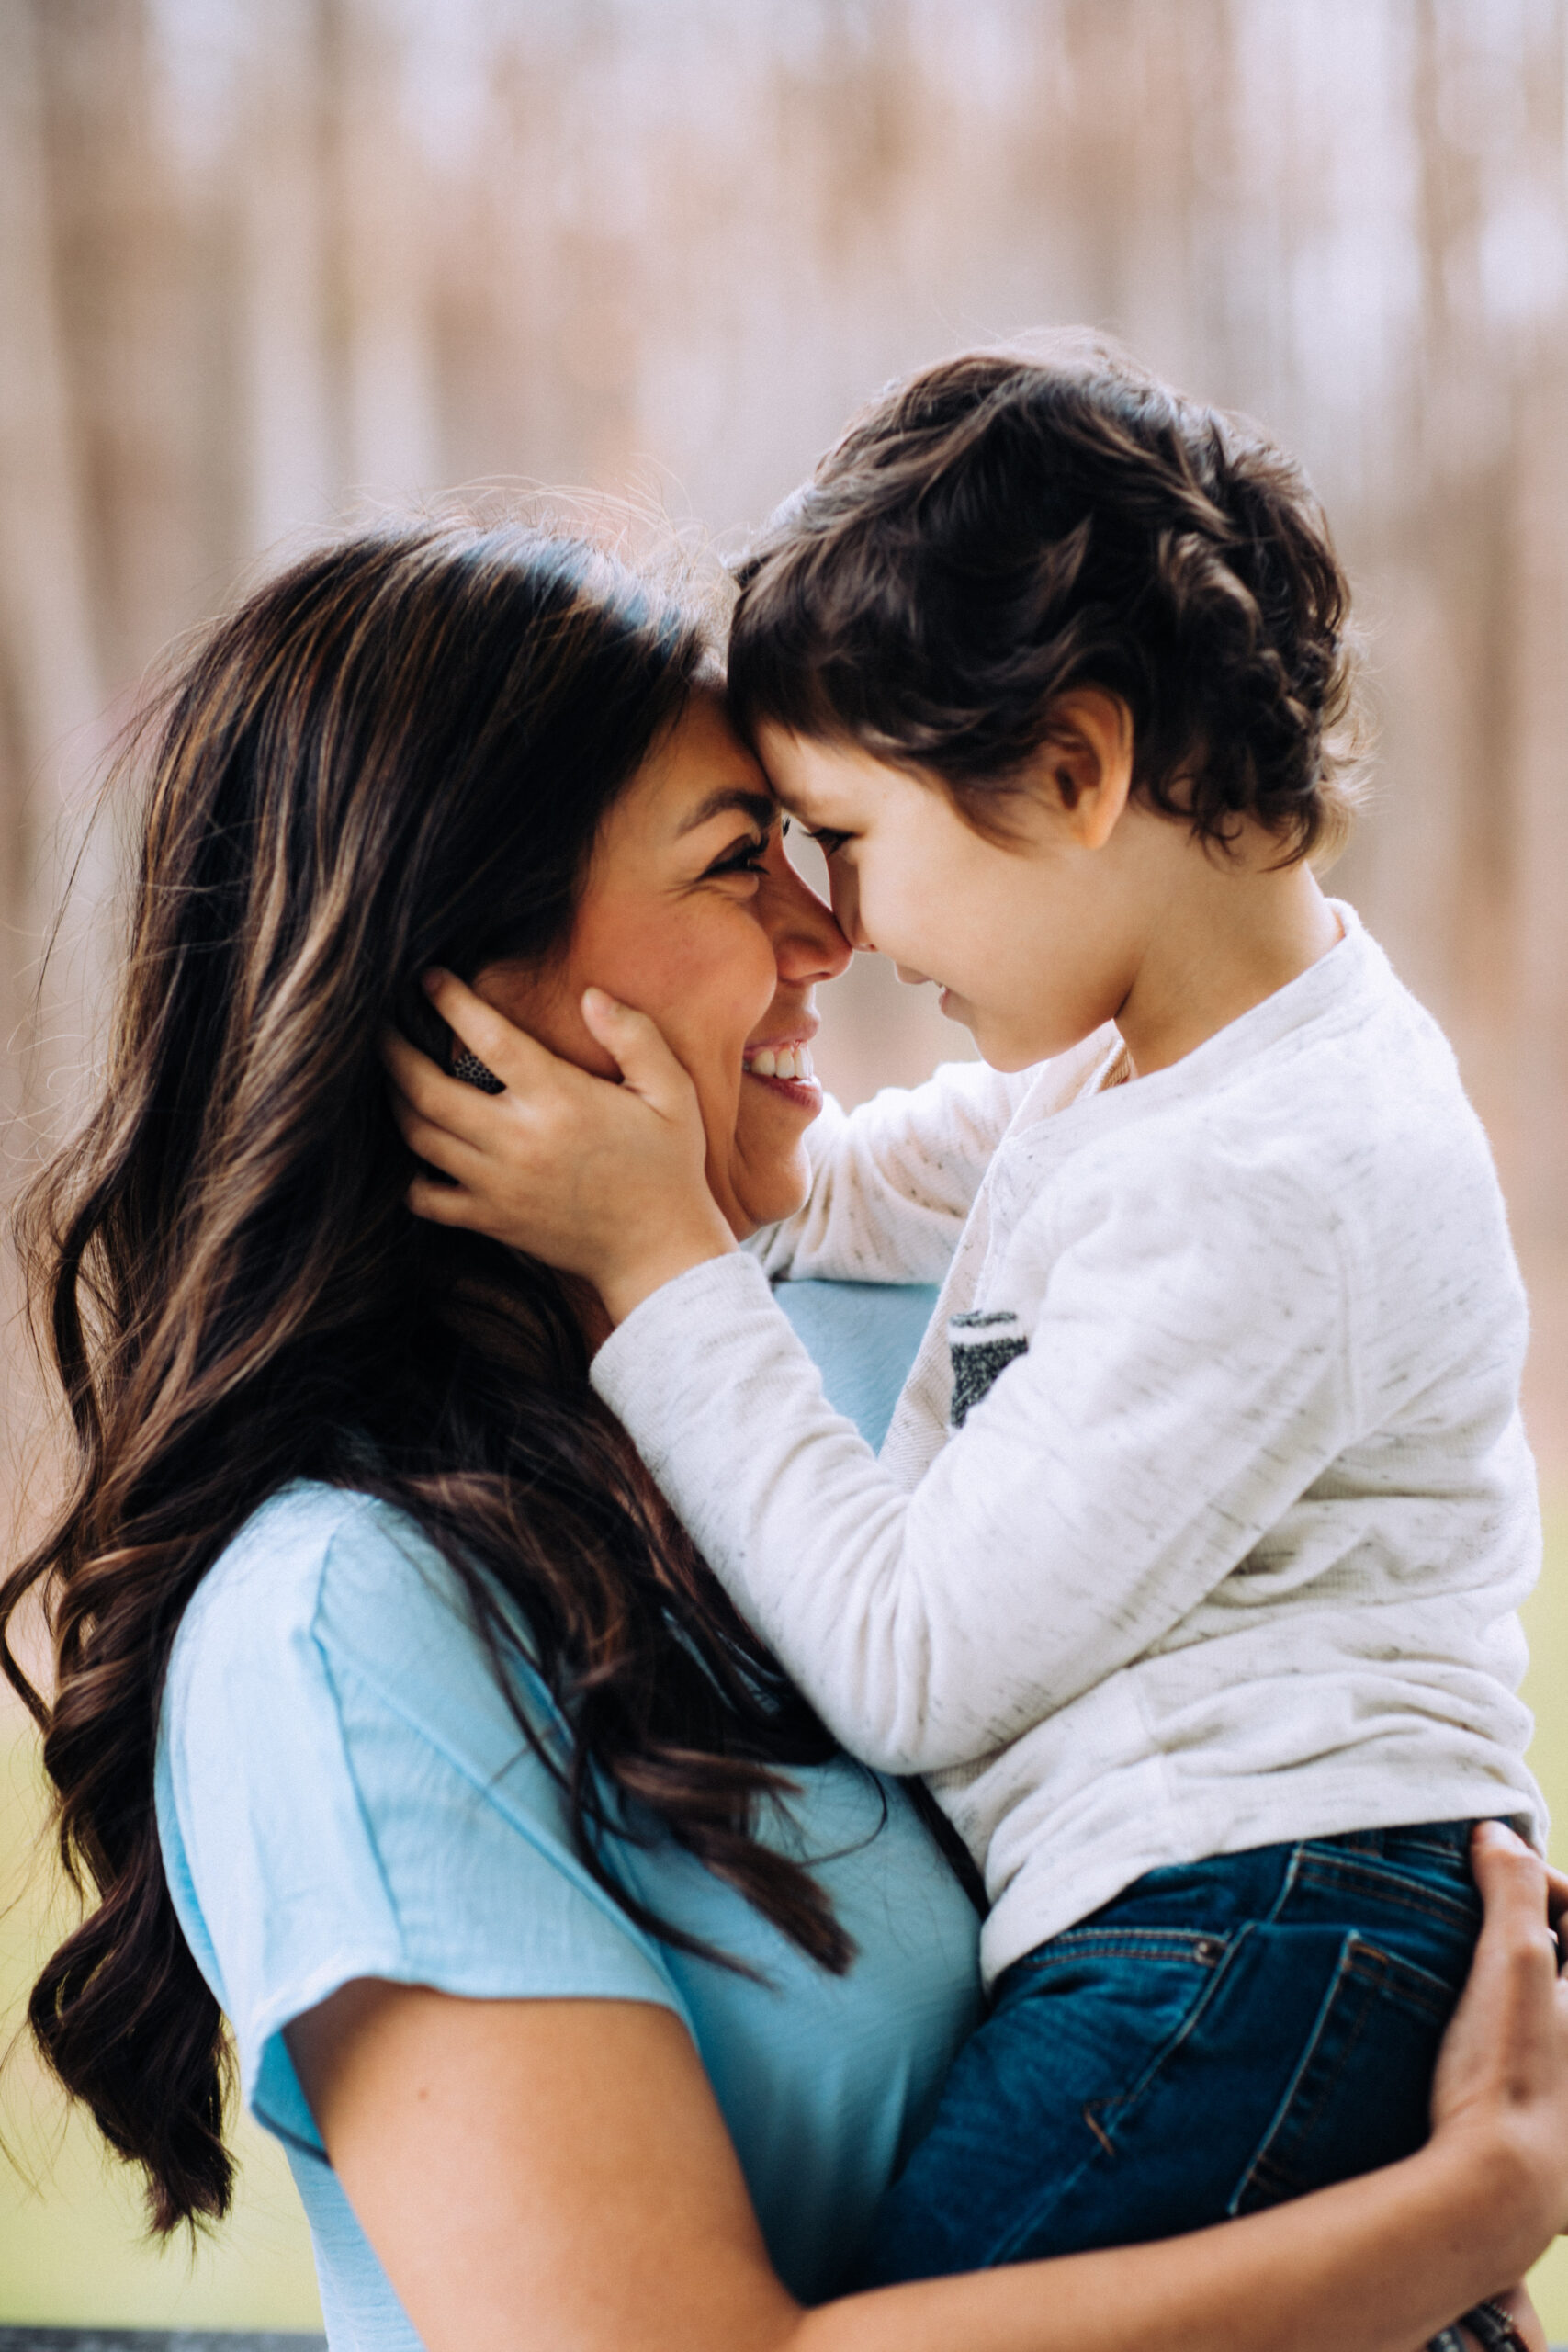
(340,1773)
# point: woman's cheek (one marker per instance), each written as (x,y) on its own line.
(710,1053)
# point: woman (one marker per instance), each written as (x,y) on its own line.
(593,1997)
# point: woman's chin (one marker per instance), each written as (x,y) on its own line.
(771,1179)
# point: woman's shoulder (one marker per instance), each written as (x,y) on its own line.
(304,1540)
(345,1791)
(328,1579)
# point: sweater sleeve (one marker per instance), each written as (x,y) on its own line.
(1187,1376)
(893,1182)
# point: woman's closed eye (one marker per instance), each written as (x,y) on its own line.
(747,855)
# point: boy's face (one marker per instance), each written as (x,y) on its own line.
(1034,942)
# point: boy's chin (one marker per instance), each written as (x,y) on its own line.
(1004,1054)
(1004,1050)
(997,1050)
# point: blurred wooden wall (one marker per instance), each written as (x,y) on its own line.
(259,258)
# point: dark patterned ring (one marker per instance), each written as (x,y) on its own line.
(473,1072)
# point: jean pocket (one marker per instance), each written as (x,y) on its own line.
(1097,1948)
(1119,2004)
(1427,1897)
(1358,2097)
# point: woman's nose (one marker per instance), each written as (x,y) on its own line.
(807,943)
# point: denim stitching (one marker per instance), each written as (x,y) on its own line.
(1427,1835)
(1117,2108)
(1379,1883)
(1408,1982)
(1361,1964)
(1252,2177)
(1195,1944)
(1286,1884)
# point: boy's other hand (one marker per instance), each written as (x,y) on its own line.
(598,1179)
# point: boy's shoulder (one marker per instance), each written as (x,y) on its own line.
(1338,1097)
(1367,1092)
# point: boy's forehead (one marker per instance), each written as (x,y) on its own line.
(814,777)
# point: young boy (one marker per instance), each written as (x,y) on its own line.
(1188,1570)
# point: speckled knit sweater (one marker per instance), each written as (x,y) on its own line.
(1206,1509)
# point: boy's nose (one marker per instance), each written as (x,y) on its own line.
(846,907)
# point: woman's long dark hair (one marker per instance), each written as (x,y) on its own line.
(396,754)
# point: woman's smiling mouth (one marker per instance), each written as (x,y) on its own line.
(785,1067)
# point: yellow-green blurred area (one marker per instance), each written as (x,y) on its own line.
(72,2252)
(73,2248)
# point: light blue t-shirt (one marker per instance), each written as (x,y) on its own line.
(343,1791)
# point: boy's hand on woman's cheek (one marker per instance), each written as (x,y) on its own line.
(600,1180)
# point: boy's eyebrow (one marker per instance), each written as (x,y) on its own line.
(760,807)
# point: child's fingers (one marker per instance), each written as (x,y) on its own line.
(420,1086)
(436,1146)
(644,1060)
(440,1204)
(516,1059)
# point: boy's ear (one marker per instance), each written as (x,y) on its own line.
(1085,761)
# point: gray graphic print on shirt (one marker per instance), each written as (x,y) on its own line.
(982,1345)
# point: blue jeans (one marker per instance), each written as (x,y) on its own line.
(1223,2035)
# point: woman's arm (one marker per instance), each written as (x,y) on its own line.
(557,2172)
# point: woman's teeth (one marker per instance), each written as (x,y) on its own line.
(789,1062)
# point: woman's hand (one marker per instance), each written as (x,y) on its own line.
(600,1180)
(1500,2096)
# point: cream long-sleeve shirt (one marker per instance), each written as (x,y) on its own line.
(1206,1509)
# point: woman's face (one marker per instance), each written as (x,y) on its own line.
(692,913)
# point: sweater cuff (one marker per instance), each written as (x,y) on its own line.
(670,1333)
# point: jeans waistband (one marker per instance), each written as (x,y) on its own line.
(1454,1836)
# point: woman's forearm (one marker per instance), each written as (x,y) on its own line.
(558,2172)
(1377,2265)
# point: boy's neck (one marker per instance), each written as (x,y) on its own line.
(1238,931)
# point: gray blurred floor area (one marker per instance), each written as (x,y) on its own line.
(139,2339)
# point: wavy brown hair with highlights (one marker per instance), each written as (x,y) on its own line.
(999,530)
(396,754)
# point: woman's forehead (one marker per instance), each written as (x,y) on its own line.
(700,774)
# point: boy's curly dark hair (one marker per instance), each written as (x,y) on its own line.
(999,530)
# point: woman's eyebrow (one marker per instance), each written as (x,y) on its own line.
(760,807)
